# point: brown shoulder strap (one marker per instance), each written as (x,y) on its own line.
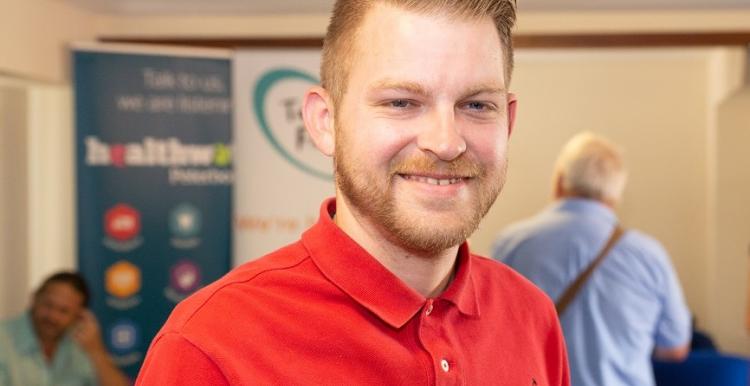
(572,290)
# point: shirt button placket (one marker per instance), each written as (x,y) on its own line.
(434,344)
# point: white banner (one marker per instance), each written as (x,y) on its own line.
(281,178)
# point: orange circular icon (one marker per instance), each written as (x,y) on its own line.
(122,279)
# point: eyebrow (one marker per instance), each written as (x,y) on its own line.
(483,89)
(418,89)
(410,87)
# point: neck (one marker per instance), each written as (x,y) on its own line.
(606,202)
(427,273)
(49,347)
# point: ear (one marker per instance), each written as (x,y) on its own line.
(512,103)
(317,112)
(558,188)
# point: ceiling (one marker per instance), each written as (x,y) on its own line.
(324,6)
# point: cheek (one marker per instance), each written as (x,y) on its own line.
(40,310)
(378,144)
(488,147)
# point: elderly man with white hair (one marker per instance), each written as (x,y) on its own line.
(616,291)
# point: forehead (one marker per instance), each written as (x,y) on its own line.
(428,48)
(61,294)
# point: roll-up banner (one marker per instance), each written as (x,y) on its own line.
(154,181)
(281,177)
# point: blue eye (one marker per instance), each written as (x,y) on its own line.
(477,106)
(400,103)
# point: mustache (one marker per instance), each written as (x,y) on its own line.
(424,165)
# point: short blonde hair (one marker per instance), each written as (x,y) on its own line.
(339,43)
(591,166)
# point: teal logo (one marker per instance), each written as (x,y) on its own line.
(277,105)
(185,220)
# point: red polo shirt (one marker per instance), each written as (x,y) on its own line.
(322,311)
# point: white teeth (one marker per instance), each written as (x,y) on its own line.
(433,181)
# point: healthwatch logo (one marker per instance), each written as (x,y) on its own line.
(155,152)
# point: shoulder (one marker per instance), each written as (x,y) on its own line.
(236,286)
(540,226)
(493,277)
(508,299)
(638,243)
(6,337)
(521,229)
(644,259)
(15,332)
(5,327)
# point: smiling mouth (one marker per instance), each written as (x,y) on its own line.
(432,180)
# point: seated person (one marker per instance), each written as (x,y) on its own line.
(58,341)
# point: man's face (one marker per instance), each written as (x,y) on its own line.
(422,129)
(55,309)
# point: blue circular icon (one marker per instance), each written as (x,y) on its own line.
(123,336)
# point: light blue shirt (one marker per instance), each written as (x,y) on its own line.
(22,361)
(630,304)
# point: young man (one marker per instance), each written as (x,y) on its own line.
(58,342)
(631,305)
(383,290)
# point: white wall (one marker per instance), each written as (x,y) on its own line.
(36,199)
(13,201)
(50,174)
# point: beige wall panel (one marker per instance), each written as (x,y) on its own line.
(51,197)
(733,224)
(14,251)
(653,103)
(34,36)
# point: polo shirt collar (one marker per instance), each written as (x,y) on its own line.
(353,270)
(462,291)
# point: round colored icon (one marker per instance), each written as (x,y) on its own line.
(122,279)
(185,276)
(122,222)
(185,220)
(123,336)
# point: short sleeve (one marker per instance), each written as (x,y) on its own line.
(173,360)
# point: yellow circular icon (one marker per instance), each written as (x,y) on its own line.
(122,279)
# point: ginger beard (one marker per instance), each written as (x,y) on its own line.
(415,223)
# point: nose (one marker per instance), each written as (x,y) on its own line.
(55,317)
(441,136)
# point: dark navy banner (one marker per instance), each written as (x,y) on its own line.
(154,180)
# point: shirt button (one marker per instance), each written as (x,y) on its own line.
(428,311)
(444,365)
